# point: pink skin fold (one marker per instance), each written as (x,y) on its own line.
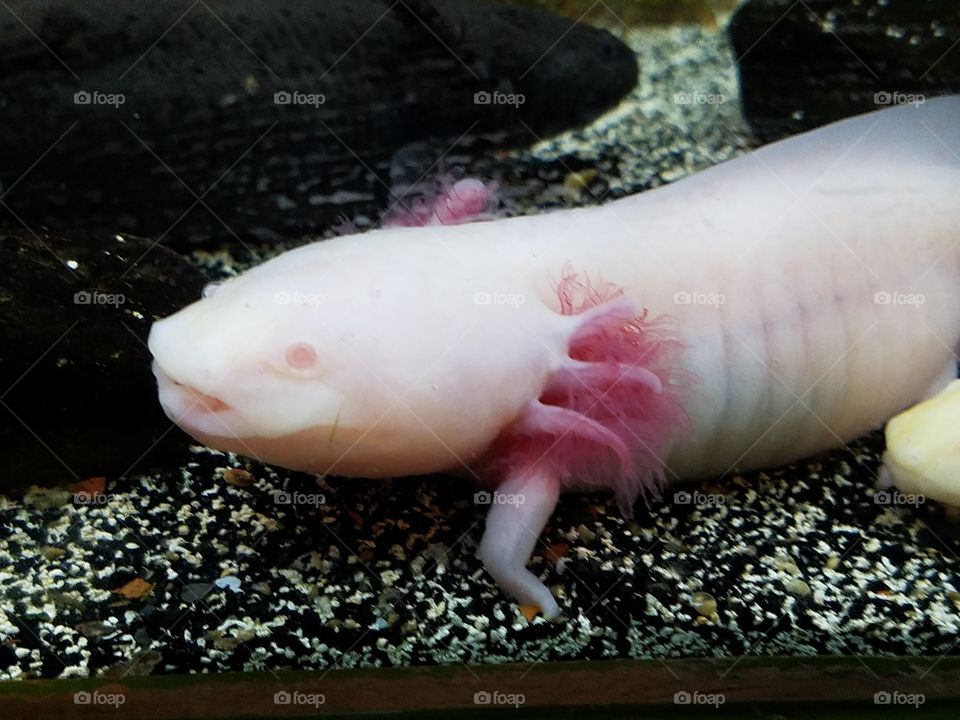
(463,201)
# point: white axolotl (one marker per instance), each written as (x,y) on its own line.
(764,310)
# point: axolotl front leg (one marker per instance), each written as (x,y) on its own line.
(604,420)
(518,513)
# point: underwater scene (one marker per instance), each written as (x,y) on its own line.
(448,358)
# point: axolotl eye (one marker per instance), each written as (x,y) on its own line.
(300,356)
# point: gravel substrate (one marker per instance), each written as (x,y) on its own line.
(224,565)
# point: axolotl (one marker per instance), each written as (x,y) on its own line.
(761,311)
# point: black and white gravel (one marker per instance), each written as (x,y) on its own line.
(286,573)
(224,565)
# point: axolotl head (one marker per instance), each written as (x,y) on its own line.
(357,356)
(391,354)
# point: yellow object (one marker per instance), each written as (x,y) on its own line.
(923,447)
(578,181)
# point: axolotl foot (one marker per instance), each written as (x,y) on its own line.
(519,510)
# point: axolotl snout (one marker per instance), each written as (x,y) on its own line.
(761,311)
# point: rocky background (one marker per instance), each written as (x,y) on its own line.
(257,120)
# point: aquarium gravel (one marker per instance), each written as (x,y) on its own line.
(219,567)
(225,565)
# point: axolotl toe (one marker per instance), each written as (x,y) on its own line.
(764,310)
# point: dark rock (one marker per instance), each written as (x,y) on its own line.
(265,119)
(77,398)
(804,64)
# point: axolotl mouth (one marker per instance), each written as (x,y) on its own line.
(212,421)
(192,409)
(326,448)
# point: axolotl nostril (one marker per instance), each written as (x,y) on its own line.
(761,311)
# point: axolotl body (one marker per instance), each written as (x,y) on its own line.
(761,311)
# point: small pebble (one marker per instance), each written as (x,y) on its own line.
(704,603)
(52,553)
(797,587)
(94,629)
(238,477)
(578,181)
(228,582)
